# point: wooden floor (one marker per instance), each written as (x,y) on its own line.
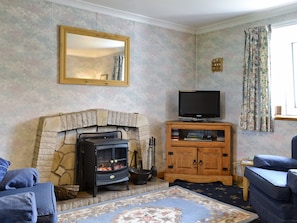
(110,192)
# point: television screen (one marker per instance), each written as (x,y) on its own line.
(199,104)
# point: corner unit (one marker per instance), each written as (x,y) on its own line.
(198,152)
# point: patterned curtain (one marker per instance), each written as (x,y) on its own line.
(256,109)
(118,68)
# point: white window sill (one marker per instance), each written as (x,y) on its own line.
(287,118)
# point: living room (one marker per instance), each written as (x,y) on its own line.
(162,62)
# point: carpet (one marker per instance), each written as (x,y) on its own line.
(232,195)
(171,205)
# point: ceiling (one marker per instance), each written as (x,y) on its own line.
(190,15)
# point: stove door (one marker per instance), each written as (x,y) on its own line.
(104,157)
(111,157)
(120,157)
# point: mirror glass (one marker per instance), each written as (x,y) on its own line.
(93,58)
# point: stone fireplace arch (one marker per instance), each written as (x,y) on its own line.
(66,126)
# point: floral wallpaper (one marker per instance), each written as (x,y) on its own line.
(162,62)
(229,44)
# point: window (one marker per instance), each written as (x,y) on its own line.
(284,69)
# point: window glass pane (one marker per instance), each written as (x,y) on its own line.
(283,62)
(294,59)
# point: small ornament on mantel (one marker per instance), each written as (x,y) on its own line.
(217,65)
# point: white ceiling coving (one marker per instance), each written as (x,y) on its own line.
(194,16)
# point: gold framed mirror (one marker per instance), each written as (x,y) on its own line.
(93,58)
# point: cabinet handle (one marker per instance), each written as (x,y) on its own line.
(194,162)
(200,162)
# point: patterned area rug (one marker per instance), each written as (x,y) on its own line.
(171,205)
(228,194)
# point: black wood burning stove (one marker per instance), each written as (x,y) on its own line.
(102,159)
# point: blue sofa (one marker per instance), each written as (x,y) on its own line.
(273,186)
(24,199)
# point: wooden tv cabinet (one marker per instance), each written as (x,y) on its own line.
(198,152)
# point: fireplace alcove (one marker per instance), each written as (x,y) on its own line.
(55,148)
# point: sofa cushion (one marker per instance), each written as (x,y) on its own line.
(273,183)
(18,208)
(4,164)
(25,177)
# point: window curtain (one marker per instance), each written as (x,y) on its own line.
(256,107)
(118,68)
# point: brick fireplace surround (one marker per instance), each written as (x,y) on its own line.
(54,155)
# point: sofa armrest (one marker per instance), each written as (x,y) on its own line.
(292,180)
(274,162)
(45,200)
(19,207)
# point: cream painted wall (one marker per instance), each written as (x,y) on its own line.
(229,44)
(162,61)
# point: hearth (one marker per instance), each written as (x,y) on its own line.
(110,192)
(102,159)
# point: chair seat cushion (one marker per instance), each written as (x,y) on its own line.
(271,182)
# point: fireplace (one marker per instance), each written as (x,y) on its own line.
(55,148)
(102,159)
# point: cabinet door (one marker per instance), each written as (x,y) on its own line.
(182,160)
(210,161)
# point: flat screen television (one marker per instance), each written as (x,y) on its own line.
(199,105)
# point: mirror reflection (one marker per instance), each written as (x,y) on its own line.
(90,57)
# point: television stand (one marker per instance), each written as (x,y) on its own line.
(198,152)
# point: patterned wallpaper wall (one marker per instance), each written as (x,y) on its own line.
(162,62)
(229,44)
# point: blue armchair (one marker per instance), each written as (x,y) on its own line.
(273,186)
(23,198)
